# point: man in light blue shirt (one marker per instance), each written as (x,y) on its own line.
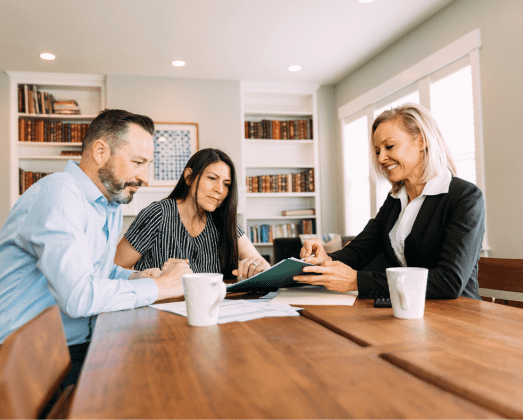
(58,243)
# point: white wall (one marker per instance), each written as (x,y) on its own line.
(501,64)
(213,104)
(330,157)
(5,147)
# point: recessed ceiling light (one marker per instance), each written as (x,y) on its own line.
(365,1)
(178,63)
(47,56)
(294,68)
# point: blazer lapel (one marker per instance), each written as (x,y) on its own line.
(393,218)
(425,214)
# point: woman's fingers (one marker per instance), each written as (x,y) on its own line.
(251,266)
(173,261)
(309,247)
(334,275)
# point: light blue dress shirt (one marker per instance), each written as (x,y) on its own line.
(57,246)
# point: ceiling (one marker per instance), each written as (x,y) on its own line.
(218,39)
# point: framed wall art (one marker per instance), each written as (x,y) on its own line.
(174,144)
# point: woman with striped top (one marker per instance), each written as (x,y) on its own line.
(196,222)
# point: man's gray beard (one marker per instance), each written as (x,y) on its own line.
(115,188)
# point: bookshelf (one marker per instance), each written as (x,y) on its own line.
(37,156)
(266,106)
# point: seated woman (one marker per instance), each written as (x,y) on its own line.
(196,222)
(430,219)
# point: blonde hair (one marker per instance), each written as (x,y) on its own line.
(417,120)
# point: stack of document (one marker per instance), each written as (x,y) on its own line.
(238,310)
(313,295)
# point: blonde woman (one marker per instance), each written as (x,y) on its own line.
(431,218)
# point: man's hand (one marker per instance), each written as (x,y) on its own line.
(170,281)
(150,272)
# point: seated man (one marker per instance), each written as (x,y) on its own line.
(58,243)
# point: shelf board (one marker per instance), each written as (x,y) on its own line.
(48,144)
(280,167)
(288,114)
(49,157)
(281,217)
(282,195)
(274,142)
(56,116)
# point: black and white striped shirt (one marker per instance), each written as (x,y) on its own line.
(158,234)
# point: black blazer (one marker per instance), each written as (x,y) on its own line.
(446,238)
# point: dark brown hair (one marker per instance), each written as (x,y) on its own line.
(224,217)
(112,125)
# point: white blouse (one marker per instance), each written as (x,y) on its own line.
(409,212)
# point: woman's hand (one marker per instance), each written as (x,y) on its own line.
(334,276)
(314,247)
(250,266)
(172,262)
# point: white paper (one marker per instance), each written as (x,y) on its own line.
(237,310)
(313,295)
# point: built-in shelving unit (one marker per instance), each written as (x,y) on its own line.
(43,156)
(266,157)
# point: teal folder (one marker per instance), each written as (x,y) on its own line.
(279,275)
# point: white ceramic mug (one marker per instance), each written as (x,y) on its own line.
(203,294)
(407,288)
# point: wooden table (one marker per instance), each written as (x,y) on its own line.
(464,359)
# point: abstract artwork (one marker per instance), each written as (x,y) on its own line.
(174,144)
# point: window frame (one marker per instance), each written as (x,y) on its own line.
(459,54)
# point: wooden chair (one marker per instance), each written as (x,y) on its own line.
(34,360)
(501,280)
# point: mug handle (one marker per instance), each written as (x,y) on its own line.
(400,287)
(221,295)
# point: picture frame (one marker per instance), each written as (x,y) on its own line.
(174,144)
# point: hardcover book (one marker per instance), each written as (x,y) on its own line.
(279,275)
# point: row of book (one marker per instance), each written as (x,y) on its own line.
(266,233)
(50,131)
(28,178)
(33,101)
(298,182)
(279,129)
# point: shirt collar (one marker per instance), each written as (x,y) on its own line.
(91,191)
(438,185)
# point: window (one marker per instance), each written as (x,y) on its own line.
(446,83)
(452,105)
(357,180)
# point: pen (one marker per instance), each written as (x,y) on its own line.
(312,255)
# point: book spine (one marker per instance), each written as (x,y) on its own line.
(35,98)
(20,181)
(276,130)
(20,99)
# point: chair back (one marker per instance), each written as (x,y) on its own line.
(501,280)
(34,360)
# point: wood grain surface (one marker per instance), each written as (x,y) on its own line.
(147,363)
(471,348)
